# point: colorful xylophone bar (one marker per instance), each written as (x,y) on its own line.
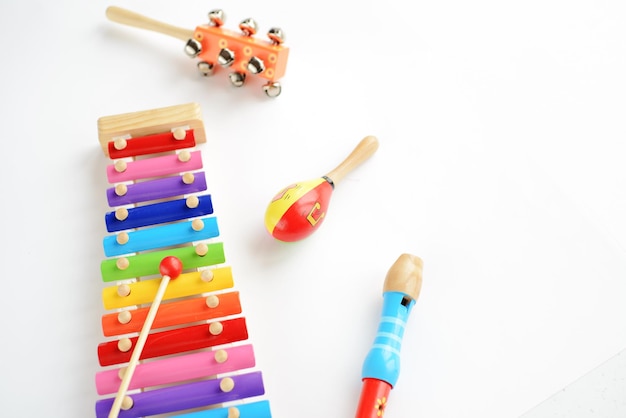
(196,360)
(157,213)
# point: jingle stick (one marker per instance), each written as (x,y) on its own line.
(299,209)
(170,268)
(215,46)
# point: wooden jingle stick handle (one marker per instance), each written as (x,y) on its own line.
(126,17)
(365,149)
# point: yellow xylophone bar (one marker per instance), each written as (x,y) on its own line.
(187,284)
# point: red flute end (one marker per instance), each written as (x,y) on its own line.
(374,397)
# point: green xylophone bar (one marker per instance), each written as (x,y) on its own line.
(147,264)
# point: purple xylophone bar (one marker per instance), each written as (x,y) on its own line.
(187,396)
(156,189)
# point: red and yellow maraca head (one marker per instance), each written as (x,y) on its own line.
(298,209)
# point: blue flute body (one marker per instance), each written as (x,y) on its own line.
(383,360)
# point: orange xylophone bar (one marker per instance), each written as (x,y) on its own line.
(173,313)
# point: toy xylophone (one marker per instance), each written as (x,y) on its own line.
(215,47)
(196,360)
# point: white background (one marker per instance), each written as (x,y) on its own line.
(501,164)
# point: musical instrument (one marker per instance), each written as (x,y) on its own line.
(215,47)
(299,209)
(195,359)
(381,367)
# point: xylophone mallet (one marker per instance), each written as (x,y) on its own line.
(170,268)
(381,367)
(299,209)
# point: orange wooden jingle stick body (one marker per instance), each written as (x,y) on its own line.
(299,209)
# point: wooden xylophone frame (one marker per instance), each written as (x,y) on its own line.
(197,361)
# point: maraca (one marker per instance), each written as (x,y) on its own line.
(299,209)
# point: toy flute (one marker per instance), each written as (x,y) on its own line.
(381,367)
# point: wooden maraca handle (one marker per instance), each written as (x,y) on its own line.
(126,17)
(365,149)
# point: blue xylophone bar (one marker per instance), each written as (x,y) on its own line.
(259,409)
(157,213)
(160,236)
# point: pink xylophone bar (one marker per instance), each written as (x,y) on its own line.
(196,360)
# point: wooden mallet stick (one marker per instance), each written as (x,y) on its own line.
(170,268)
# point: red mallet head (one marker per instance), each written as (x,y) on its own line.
(299,209)
(171,266)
